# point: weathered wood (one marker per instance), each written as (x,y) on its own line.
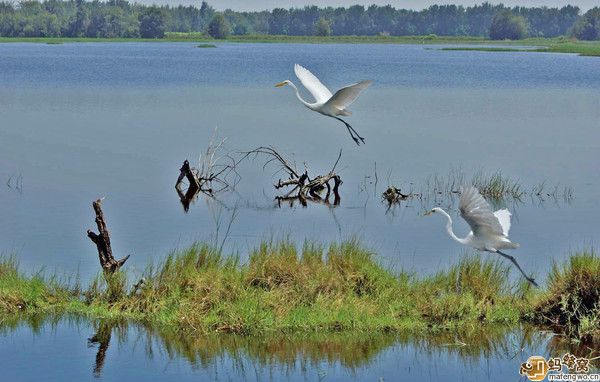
(209,178)
(303,188)
(187,172)
(107,261)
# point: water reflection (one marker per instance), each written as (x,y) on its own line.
(492,350)
(102,338)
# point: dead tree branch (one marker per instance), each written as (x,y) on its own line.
(210,176)
(303,188)
(107,261)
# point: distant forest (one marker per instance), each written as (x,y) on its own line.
(120,18)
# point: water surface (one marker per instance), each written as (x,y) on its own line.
(121,351)
(82,121)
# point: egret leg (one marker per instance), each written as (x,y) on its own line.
(352,132)
(517,264)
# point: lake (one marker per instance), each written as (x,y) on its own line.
(120,351)
(116,120)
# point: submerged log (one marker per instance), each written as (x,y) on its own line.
(102,240)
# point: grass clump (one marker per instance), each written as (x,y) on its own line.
(31,293)
(475,288)
(206,46)
(572,299)
(314,287)
(337,287)
(497,185)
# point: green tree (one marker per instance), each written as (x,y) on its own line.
(322,27)
(218,27)
(153,22)
(507,25)
(78,23)
(240,29)
(587,27)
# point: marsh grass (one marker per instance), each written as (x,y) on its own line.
(33,293)
(313,287)
(335,287)
(497,187)
(558,46)
(571,301)
(581,49)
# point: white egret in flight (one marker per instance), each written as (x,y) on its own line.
(326,103)
(489,230)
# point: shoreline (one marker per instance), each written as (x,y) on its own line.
(549,45)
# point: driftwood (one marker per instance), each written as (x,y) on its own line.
(194,185)
(303,187)
(210,176)
(102,240)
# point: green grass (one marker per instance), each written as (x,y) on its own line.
(206,46)
(314,288)
(587,49)
(485,49)
(557,44)
(497,185)
(572,299)
(494,186)
(582,50)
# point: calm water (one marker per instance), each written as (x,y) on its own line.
(129,352)
(82,121)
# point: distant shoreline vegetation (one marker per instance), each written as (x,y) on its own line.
(550,45)
(122,19)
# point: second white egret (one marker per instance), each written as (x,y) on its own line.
(489,230)
(331,105)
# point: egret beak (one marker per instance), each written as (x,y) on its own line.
(428,213)
(281,84)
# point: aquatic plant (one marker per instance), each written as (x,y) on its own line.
(497,185)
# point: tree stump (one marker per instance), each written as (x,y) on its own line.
(187,172)
(107,261)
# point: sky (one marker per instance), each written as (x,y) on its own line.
(259,5)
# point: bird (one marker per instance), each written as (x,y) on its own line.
(327,104)
(489,230)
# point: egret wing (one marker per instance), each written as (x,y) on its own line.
(477,213)
(504,219)
(312,84)
(346,95)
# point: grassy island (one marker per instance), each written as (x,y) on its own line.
(339,287)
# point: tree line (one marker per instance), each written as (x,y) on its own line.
(120,18)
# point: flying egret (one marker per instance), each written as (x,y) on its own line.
(326,103)
(489,231)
